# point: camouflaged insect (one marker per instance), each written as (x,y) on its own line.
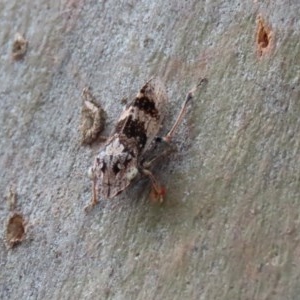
(120,160)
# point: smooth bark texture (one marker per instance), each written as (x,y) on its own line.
(229,226)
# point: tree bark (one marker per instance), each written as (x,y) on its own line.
(228,228)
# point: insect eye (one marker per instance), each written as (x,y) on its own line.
(132,173)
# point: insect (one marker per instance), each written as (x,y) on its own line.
(123,156)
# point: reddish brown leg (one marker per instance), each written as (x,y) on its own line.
(159,191)
(94,201)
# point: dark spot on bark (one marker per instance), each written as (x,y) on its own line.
(15,231)
(263,36)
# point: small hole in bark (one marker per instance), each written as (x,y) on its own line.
(15,231)
(263,37)
(19,47)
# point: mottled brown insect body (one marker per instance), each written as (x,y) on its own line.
(122,157)
(117,163)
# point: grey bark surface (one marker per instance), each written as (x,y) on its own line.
(229,227)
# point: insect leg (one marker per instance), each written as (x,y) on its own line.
(166,140)
(189,97)
(94,201)
(158,191)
